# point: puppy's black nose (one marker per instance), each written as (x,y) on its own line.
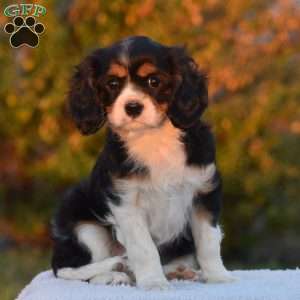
(133,109)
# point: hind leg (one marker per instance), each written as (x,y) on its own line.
(83,248)
(96,238)
(102,267)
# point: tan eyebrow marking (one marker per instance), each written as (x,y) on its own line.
(146,69)
(117,70)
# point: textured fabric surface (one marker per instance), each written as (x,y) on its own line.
(251,285)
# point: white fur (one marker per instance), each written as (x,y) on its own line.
(96,238)
(150,116)
(124,58)
(207,240)
(132,231)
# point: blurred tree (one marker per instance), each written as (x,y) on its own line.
(250,50)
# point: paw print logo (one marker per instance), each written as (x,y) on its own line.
(24,32)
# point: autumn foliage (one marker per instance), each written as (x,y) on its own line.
(251,52)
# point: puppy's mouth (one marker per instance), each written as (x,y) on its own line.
(136,125)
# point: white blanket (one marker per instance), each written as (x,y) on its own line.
(251,285)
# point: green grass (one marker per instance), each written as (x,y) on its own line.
(18,267)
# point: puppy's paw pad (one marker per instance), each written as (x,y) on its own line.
(118,263)
(184,273)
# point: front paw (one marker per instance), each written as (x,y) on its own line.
(217,277)
(154,284)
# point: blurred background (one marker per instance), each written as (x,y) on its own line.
(251,51)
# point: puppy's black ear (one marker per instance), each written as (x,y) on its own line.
(85,104)
(191,96)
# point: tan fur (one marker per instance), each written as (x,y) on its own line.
(146,69)
(159,149)
(117,70)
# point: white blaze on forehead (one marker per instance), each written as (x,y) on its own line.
(150,116)
(124,56)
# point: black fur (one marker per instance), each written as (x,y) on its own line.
(191,96)
(181,246)
(84,99)
(183,90)
(73,208)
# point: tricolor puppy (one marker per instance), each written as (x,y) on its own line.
(153,199)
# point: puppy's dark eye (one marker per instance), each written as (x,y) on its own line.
(153,81)
(113,84)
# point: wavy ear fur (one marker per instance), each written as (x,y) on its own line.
(84,100)
(191,95)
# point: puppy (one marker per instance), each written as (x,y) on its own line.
(153,199)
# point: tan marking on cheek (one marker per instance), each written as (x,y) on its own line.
(109,109)
(162,107)
(145,69)
(203,214)
(117,70)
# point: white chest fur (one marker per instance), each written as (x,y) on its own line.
(165,197)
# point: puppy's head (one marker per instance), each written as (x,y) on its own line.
(137,84)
